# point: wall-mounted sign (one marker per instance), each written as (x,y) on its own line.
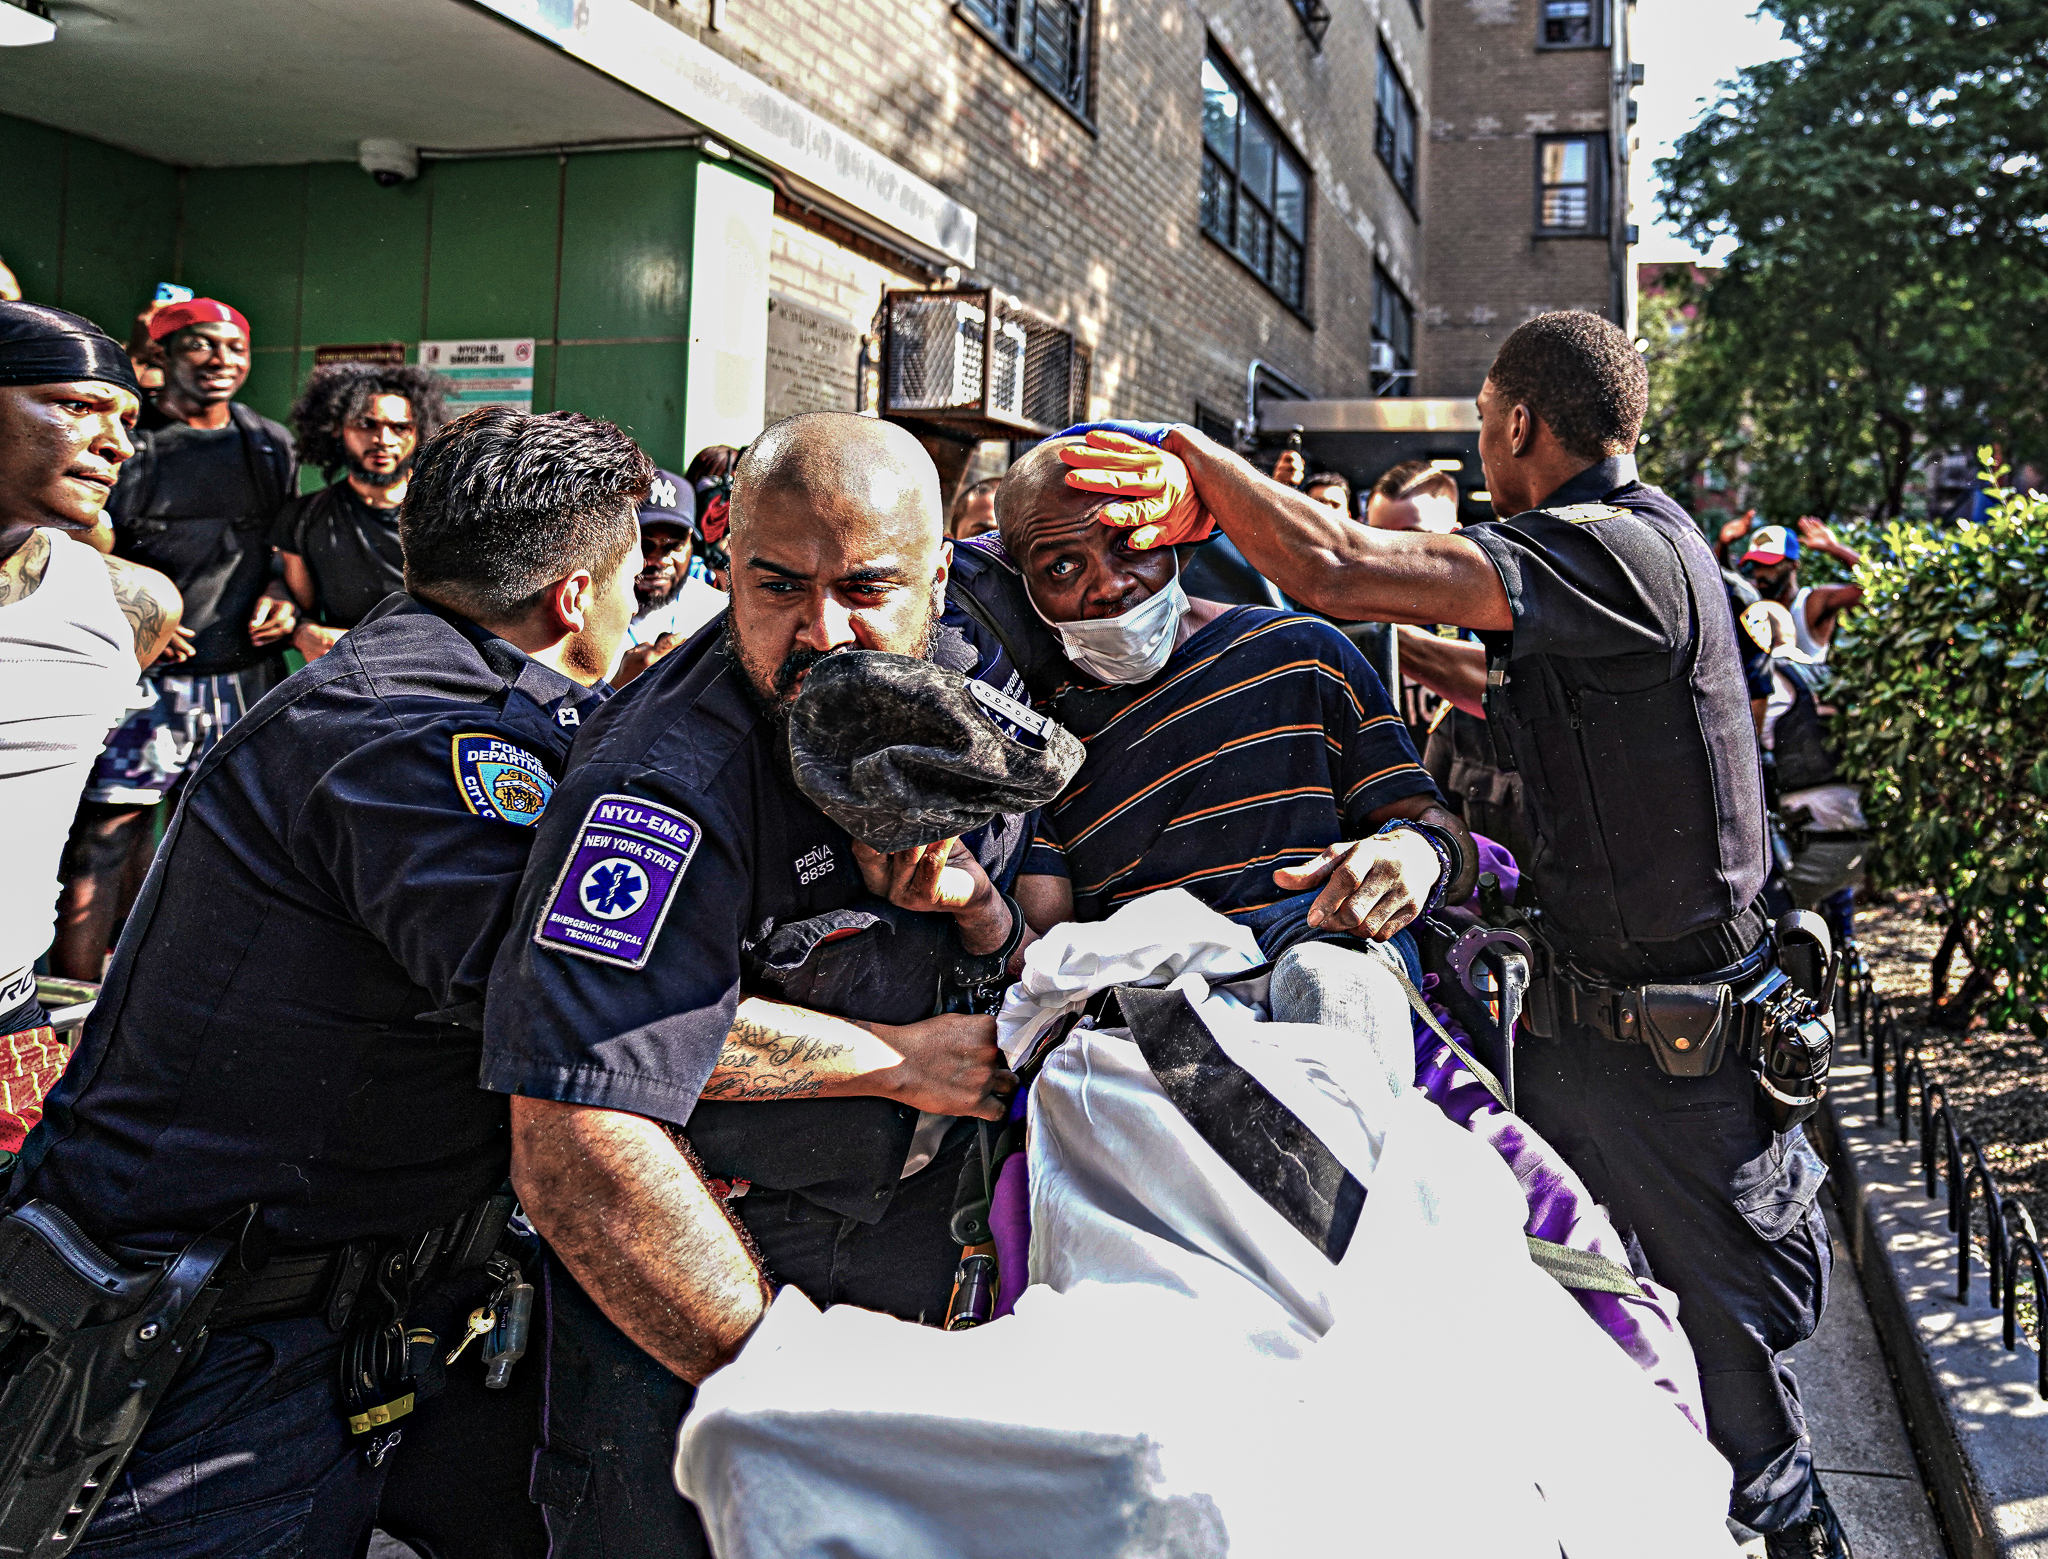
(813,360)
(385,354)
(483,373)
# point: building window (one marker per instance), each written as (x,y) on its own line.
(1571,186)
(1394,128)
(1573,24)
(1314,17)
(1254,189)
(1049,38)
(1393,339)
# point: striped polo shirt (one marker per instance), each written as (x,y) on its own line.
(1266,737)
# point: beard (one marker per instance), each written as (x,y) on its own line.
(368,478)
(774,690)
(654,598)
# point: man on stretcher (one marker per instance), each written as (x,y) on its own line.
(1253,758)
(1275,1287)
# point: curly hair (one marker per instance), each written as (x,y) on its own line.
(1581,375)
(339,391)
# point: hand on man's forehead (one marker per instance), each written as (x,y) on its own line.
(1035,498)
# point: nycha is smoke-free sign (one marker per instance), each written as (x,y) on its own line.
(483,373)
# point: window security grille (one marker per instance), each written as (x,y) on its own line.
(1049,38)
(1571,186)
(938,364)
(1255,191)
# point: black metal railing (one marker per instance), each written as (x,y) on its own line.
(1864,1014)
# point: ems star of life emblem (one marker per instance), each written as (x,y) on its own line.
(500,779)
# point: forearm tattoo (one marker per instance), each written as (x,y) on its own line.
(759,1062)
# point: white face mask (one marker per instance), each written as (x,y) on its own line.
(1131,648)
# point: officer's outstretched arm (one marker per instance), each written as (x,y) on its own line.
(948,1064)
(1333,563)
(630,1214)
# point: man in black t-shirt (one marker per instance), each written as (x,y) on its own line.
(339,547)
(197,503)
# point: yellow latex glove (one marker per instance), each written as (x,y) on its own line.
(1155,495)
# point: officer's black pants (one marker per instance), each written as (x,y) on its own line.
(1727,1213)
(604,1475)
(248,1457)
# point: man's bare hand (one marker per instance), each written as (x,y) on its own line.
(932,879)
(179,646)
(274,618)
(1372,887)
(641,656)
(950,1066)
(312,640)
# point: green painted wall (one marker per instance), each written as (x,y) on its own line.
(589,254)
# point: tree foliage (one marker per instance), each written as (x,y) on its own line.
(1944,674)
(1887,192)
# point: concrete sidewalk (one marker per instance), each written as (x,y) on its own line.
(1860,1446)
(1977,1419)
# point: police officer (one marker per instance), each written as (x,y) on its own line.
(291,1019)
(714,1010)
(1615,688)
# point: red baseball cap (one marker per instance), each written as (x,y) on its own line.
(199,311)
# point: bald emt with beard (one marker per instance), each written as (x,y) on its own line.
(714,1011)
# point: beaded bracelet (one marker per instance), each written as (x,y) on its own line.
(1443,857)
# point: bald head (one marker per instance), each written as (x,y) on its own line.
(842,468)
(836,543)
(1034,492)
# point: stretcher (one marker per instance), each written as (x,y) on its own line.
(1274,1306)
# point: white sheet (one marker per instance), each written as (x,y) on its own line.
(1189,1376)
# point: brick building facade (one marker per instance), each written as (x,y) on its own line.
(1527,175)
(1091,211)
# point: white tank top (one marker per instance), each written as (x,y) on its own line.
(67,665)
(1800,631)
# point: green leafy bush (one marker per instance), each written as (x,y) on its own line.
(1944,689)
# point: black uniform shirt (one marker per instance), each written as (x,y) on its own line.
(1625,710)
(677,843)
(350,548)
(199,503)
(292,1014)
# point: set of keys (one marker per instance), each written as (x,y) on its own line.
(504,1321)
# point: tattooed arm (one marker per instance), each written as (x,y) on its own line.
(949,1064)
(21,570)
(152,605)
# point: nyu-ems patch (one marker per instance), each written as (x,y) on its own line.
(617,885)
(500,779)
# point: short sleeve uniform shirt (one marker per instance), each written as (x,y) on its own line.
(292,1017)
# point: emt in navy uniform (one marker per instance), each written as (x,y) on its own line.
(1615,688)
(292,1017)
(714,1010)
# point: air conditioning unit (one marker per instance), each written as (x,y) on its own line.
(972,359)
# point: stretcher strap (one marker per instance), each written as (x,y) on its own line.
(1576,1269)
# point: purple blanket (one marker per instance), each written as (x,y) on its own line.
(1561,1209)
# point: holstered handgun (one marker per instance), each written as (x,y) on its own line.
(88,1347)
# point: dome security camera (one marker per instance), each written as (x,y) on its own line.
(389,162)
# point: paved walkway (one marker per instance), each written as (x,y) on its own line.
(1859,1435)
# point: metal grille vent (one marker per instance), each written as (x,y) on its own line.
(980,361)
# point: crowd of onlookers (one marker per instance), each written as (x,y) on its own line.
(212,500)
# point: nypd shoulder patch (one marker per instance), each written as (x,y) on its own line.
(500,779)
(615,888)
(1587,513)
